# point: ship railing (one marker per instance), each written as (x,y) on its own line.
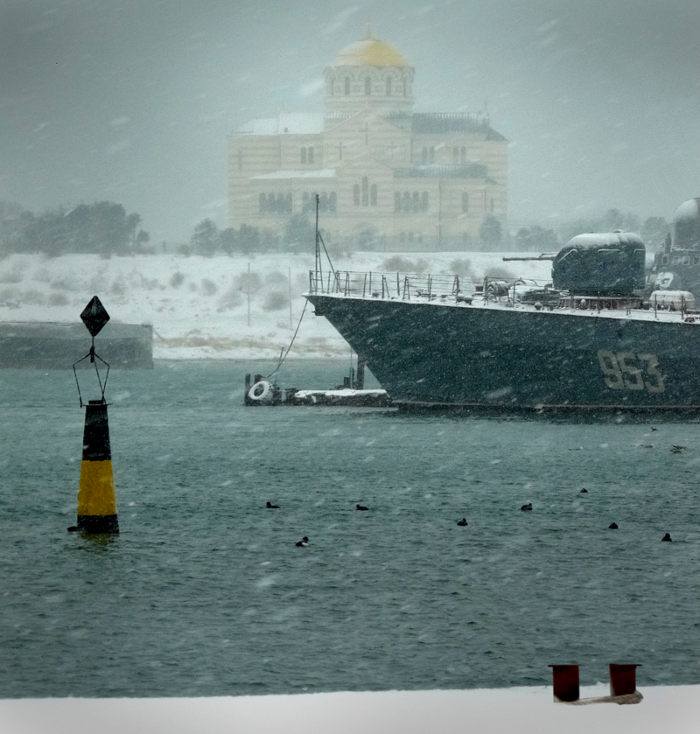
(399,285)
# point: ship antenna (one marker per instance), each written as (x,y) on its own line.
(320,243)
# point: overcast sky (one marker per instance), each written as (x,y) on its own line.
(133,100)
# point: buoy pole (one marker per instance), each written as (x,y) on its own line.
(97,508)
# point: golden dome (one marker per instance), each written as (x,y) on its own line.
(370,52)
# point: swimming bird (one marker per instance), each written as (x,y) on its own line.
(677,449)
(527,507)
(612,526)
(270,506)
(583,491)
(361,507)
(462,522)
(302,543)
(666,538)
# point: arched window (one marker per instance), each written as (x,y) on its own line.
(397,201)
(262,203)
(388,86)
(373,195)
(465,202)
(303,155)
(424,201)
(347,86)
(310,155)
(463,154)
(356,194)
(365,191)
(368,86)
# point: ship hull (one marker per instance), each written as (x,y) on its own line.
(430,355)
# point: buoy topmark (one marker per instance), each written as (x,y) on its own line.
(97,509)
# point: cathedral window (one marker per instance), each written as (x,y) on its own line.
(388,86)
(411,202)
(347,86)
(363,194)
(368,86)
(303,155)
(463,155)
(275,203)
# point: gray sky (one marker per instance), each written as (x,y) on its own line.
(133,100)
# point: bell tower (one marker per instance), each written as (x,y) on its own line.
(369,74)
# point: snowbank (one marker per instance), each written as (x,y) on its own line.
(212,308)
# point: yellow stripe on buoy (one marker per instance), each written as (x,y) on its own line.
(96,493)
(97,508)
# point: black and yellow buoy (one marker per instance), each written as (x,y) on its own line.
(97,508)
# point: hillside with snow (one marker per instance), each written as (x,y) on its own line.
(222,307)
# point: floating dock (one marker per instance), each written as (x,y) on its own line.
(261,391)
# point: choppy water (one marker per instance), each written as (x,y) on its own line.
(205,593)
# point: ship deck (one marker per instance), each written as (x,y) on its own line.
(506,294)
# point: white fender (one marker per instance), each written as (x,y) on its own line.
(261,392)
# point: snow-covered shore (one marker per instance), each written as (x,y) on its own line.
(212,308)
(671,709)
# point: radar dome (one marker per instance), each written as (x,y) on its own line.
(686,225)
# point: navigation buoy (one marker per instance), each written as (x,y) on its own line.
(97,508)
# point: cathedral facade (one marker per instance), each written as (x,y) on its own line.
(387,177)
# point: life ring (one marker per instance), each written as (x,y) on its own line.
(261,392)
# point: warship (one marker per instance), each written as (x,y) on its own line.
(601,335)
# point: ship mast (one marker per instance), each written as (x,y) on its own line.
(318,268)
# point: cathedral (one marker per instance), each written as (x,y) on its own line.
(387,178)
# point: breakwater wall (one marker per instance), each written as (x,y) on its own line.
(48,345)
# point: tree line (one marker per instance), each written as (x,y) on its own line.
(106,228)
(102,228)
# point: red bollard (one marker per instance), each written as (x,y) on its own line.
(623,679)
(565,680)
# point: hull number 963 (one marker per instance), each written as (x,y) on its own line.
(631,371)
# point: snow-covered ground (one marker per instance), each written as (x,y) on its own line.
(213,308)
(667,709)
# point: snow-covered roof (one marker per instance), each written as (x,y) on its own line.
(318,173)
(294,123)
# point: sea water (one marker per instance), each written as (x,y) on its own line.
(204,591)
